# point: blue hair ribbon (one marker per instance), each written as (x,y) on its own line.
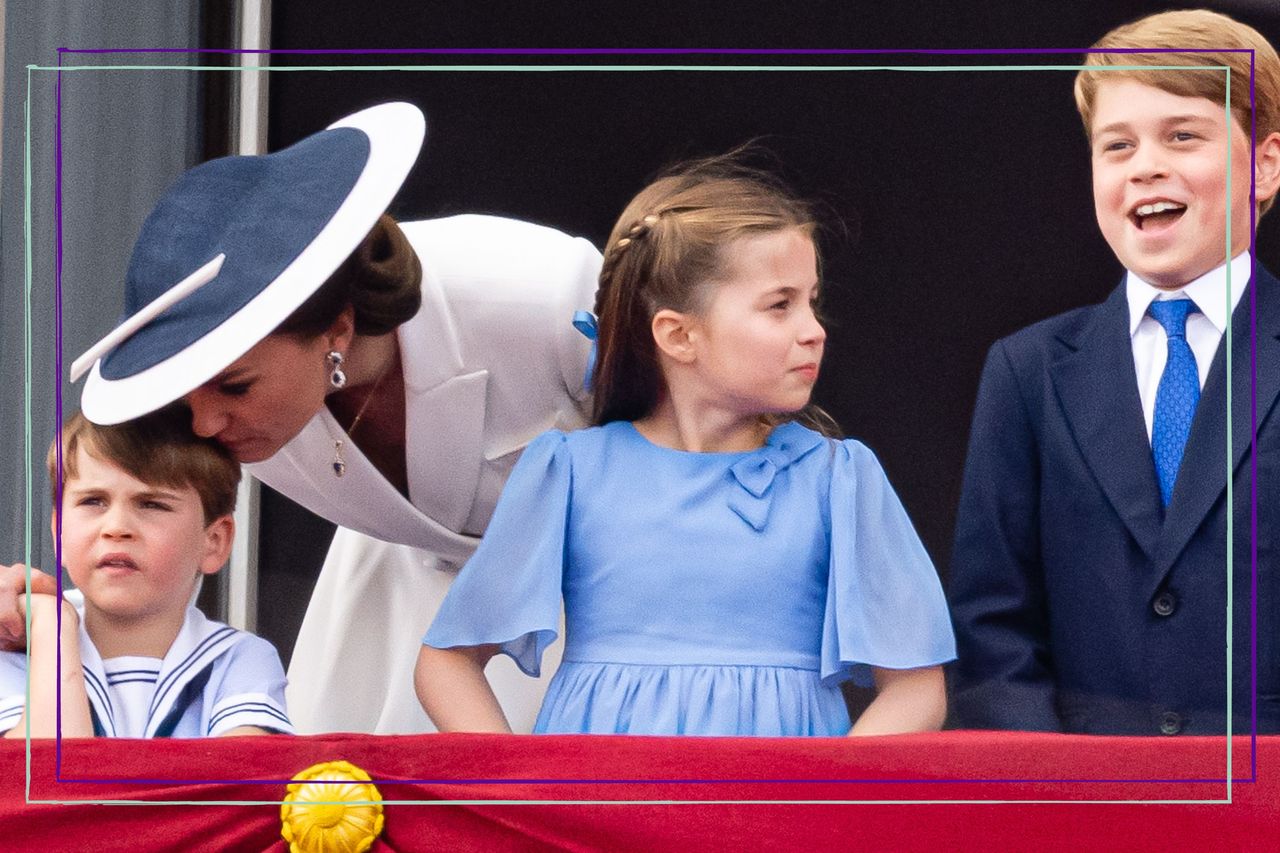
(585,322)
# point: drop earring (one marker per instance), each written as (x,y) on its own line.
(337,378)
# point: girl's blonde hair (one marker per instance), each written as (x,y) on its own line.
(667,251)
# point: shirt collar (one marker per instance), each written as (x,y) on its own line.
(1209,292)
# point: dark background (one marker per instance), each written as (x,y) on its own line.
(958,202)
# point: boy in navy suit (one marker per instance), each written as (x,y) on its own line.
(1090,572)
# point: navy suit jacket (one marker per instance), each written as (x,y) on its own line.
(1080,603)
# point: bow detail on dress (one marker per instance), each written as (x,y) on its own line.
(756,473)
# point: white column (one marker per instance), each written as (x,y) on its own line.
(253,26)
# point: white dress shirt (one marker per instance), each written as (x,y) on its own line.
(1205,327)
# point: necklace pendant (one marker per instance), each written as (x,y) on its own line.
(339,467)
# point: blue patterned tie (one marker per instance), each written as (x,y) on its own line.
(1177,395)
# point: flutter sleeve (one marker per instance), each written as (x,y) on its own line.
(508,593)
(885,605)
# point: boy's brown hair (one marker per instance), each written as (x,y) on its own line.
(1224,41)
(158,449)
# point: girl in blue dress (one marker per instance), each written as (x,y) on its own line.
(723,567)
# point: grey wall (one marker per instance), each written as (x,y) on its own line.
(125,135)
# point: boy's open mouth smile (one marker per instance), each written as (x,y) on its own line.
(1154,215)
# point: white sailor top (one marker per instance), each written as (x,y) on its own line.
(213,679)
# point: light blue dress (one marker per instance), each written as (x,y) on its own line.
(704,593)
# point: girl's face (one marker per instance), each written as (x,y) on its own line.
(758,343)
(264,398)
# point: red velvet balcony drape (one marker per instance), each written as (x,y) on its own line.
(215,777)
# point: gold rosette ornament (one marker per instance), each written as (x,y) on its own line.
(331,807)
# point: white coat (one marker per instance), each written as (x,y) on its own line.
(490,361)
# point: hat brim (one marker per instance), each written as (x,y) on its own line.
(395,133)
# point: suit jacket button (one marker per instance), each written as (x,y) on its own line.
(1170,723)
(1165,604)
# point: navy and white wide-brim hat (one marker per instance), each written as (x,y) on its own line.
(234,247)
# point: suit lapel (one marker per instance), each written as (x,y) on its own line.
(1096,384)
(1265,360)
(445,403)
(1201,478)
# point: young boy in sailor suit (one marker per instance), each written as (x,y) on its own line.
(145,511)
(1089,581)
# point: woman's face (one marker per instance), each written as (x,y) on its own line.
(264,398)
